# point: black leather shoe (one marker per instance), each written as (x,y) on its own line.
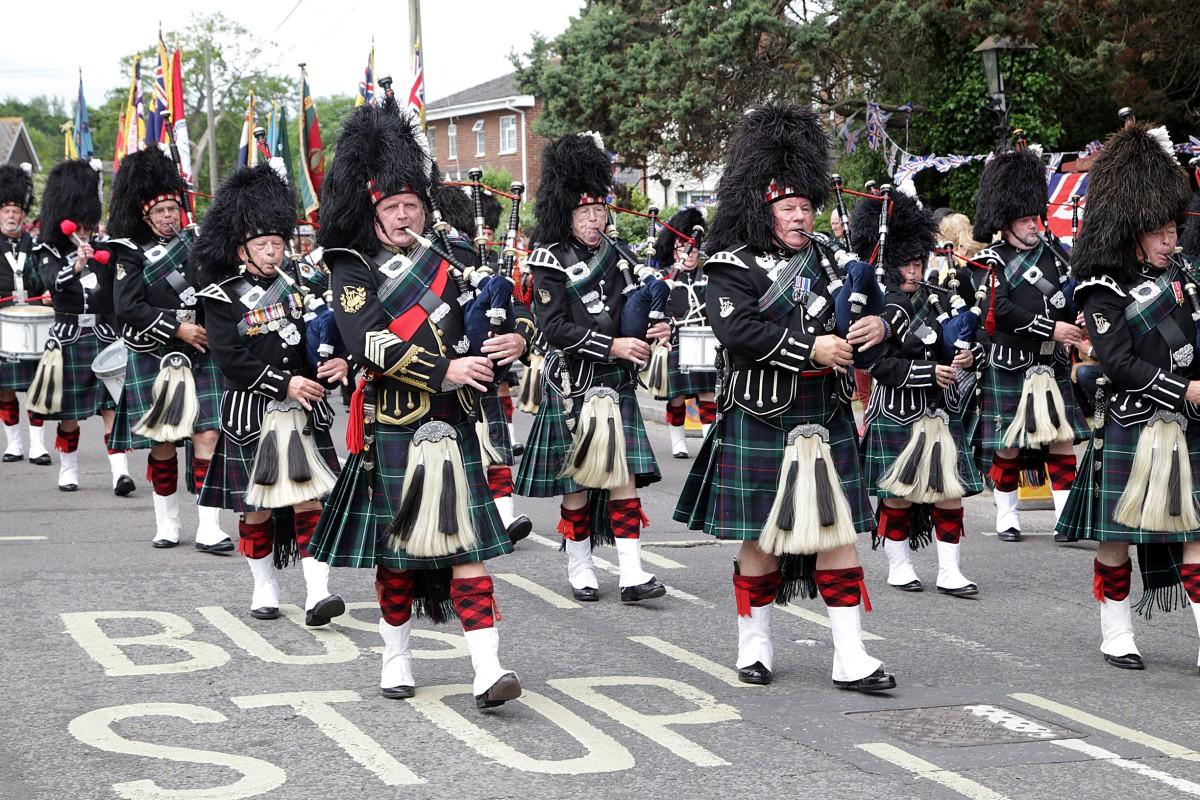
(9,458)
(398,692)
(1010,535)
(42,461)
(124,487)
(519,528)
(518,450)
(643,591)
(223,546)
(162,544)
(1131,661)
(68,487)
(911,586)
(324,611)
(756,673)
(1062,538)
(682,454)
(586,595)
(503,690)
(877,681)
(970,590)
(266,612)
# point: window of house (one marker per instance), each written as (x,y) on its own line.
(508,134)
(431,137)
(452,141)
(480,142)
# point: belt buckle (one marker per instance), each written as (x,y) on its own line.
(185,315)
(87,320)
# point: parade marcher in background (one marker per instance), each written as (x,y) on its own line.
(680,259)
(412,501)
(510,382)
(163,328)
(1189,237)
(20,281)
(1138,479)
(780,469)
(912,457)
(274,450)
(588,442)
(1030,416)
(65,388)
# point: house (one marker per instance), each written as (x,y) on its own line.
(15,146)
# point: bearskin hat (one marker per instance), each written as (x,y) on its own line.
(72,192)
(491,210)
(143,177)
(1013,185)
(252,202)
(664,246)
(910,231)
(380,152)
(1135,185)
(576,170)
(456,208)
(16,187)
(778,151)
(1190,239)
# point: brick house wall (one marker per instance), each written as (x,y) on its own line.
(492,156)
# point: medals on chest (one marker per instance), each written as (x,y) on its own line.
(279,318)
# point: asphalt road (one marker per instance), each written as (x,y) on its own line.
(137,673)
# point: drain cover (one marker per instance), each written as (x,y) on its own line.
(962,726)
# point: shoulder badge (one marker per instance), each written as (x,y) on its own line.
(1102,324)
(726,307)
(120,271)
(353,298)
(544,296)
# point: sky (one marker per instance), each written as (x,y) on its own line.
(466,42)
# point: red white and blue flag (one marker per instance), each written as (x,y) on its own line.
(416,95)
(1062,187)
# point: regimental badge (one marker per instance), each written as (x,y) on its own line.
(120,271)
(1102,324)
(353,298)
(726,307)
(544,296)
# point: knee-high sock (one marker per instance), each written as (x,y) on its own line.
(474,602)
(256,539)
(395,591)
(164,474)
(305,522)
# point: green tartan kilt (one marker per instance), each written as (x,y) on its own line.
(550,440)
(687,384)
(497,426)
(885,438)
(84,394)
(16,374)
(136,399)
(1002,395)
(731,487)
(353,527)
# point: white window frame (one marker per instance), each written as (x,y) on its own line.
(452,142)
(508,129)
(480,138)
(431,138)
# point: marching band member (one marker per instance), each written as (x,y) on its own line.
(588,442)
(412,500)
(1030,415)
(779,471)
(274,449)
(172,387)
(509,383)
(18,279)
(915,455)
(65,388)
(1138,479)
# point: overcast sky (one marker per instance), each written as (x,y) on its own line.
(466,41)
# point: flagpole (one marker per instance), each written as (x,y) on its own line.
(414,34)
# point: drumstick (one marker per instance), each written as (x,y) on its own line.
(69,228)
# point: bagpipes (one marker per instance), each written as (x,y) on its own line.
(491,312)
(656,375)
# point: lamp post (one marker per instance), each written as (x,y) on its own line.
(990,52)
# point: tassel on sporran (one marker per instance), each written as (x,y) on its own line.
(288,469)
(810,513)
(1158,494)
(597,456)
(174,407)
(926,471)
(1041,417)
(531,385)
(45,395)
(488,453)
(434,519)
(657,376)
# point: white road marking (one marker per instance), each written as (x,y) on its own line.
(1109,757)
(660,561)
(673,651)
(684,543)
(536,589)
(337,646)
(1099,723)
(456,644)
(820,619)
(84,628)
(23,538)
(925,769)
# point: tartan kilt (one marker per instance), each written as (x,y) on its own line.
(136,399)
(687,384)
(84,394)
(229,472)
(17,374)
(353,527)
(731,487)
(1002,395)
(885,438)
(550,440)
(1086,516)
(497,426)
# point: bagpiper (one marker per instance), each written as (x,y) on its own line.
(81,283)
(172,387)
(1141,303)
(412,501)
(780,469)
(588,442)
(19,281)
(1030,416)
(274,451)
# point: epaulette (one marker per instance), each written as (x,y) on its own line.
(332,253)
(729,257)
(1105,281)
(127,244)
(214,291)
(988,254)
(39,245)
(542,257)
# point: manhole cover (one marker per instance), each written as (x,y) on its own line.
(962,726)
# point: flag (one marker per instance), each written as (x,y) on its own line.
(416,95)
(156,130)
(69,151)
(247,157)
(312,152)
(132,131)
(81,134)
(366,87)
(1062,187)
(178,114)
(277,141)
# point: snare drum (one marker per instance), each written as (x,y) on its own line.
(697,349)
(24,330)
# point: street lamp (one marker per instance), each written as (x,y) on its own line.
(990,51)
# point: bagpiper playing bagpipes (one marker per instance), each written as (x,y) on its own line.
(1030,415)
(1138,479)
(412,501)
(19,281)
(588,443)
(912,457)
(274,450)
(80,278)
(780,469)
(172,387)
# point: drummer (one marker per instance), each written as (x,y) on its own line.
(18,281)
(65,388)
(679,255)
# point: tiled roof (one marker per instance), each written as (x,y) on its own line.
(495,89)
